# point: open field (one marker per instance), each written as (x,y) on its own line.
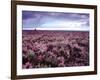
(43,49)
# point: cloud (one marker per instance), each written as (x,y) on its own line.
(34,19)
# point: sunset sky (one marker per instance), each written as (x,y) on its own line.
(55,20)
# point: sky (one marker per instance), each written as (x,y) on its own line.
(55,20)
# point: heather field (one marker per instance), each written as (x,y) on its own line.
(46,49)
